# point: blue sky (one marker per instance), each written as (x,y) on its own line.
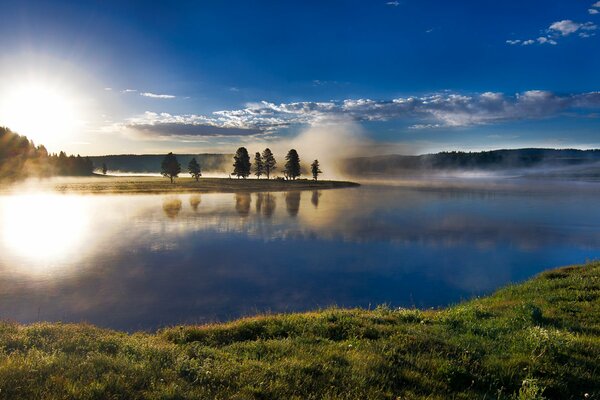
(410,75)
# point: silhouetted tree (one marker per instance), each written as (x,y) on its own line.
(62,163)
(170,167)
(194,169)
(314,168)
(241,164)
(104,169)
(20,158)
(259,166)
(268,162)
(292,165)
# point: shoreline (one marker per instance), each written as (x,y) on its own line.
(540,337)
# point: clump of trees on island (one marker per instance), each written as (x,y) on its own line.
(264,164)
(20,158)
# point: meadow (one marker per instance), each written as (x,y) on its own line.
(534,340)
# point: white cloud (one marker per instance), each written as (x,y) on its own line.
(157,96)
(542,40)
(128,90)
(596,4)
(562,28)
(567,27)
(393,3)
(444,110)
(165,125)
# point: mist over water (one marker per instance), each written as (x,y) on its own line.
(145,261)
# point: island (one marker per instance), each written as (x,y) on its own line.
(157,185)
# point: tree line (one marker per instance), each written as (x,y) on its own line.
(21,158)
(264,165)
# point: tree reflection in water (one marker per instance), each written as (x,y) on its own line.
(265,204)
(195,202)
(242,203)
(292,202)
(315,198)
(172,207)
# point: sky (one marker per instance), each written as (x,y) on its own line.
(407,76)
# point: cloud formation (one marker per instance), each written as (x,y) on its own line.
(165,125)
(442,110)
(563,28)
(567,27)
(157,96)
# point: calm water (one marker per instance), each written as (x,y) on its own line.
(141,262)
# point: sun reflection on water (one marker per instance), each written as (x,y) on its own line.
(44,228)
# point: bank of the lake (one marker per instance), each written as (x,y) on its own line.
(156,185)
(538,339)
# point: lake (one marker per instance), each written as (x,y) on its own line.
(140,262)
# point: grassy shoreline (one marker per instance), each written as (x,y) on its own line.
(538,339)
(149,185)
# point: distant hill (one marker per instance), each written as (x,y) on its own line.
(495,160)
(150,163)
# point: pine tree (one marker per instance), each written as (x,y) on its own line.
(194,169)
(269,162)
(241,164)
(292,165)
(314,168)
(259,166)
(170,167)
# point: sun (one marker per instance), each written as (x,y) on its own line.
(45,112)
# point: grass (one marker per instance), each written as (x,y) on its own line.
(539,339)
(142,184)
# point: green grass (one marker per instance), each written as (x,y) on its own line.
(539,339)
(141,184)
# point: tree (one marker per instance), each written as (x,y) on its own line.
(268,162)
(241,164)
(194,169)
(314,168)
(259,166)
(170,167)
(292,165)
(104,169)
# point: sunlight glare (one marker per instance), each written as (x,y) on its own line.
(44,228)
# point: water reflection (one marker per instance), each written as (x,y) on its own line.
(242,203)
(314,198)
(265,204)
(195,201)
(292,202)
(172,207)
(175,261)
(43,229)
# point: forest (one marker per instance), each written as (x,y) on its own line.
(20,158)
